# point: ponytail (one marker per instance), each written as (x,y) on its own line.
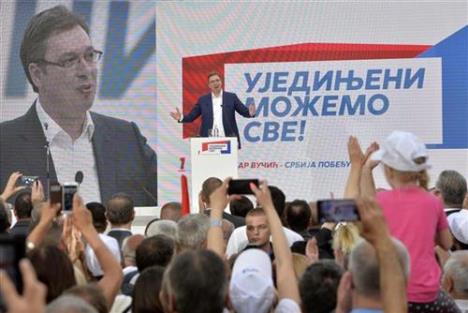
(423,179)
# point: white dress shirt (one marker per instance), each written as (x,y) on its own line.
(218,113)
(238,240)
(71,156)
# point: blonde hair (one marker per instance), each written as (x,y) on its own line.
(421,177)
(300,264)
(345,237)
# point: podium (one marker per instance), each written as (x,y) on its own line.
(211,157)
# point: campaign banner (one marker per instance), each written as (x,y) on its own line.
(305,112)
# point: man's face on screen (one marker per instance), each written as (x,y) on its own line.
(68,89)
(215,84)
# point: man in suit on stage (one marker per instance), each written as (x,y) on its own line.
(217,110)
(60,63)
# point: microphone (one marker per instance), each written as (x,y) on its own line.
(136,184)
(79,177)
(47,151)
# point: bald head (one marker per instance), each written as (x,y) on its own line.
(171,211)
(456,275)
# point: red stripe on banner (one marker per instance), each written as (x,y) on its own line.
(196,69)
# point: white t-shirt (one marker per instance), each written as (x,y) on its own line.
(238,240)
(91,259)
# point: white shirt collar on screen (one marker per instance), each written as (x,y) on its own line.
(71,156)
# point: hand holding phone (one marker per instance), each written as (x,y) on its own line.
(68,191)
(27,180)
(241,186)
(337,210)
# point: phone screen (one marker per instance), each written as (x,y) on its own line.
(69,191)
(55,194)
(337,210)
(241,186)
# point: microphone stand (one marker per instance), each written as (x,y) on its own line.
(47,147)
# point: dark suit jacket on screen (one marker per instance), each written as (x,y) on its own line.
(125,163)
(204,107)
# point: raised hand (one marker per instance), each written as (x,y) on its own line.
(355,152)
(368,162)
(176,115)
(374,226)
(37,193)
(11,188)
(263,195)
(219,199)
(34,292)
(252,109)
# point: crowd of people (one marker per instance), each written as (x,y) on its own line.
(407,253)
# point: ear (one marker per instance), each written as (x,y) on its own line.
(36,73)
(447,284)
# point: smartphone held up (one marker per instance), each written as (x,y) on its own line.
(337,210)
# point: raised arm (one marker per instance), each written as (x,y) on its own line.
(47,215)
(112,277)
(219,199)
(367,185)
(356,157)
(392,279)
(285,276)
(10,187)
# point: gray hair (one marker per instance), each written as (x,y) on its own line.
(452,186)
(364,266)
(161,227)
(70,304)
(457,269)
(192,231)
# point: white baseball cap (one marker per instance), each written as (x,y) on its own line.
(400,150)
(458,223)
(251,288)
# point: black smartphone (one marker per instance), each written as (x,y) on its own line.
(68,191)
(27,180)
(241,186)
(337,210)
(12,250)
(55,193)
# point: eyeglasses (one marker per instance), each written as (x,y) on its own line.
(91,57)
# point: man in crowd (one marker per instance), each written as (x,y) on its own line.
(120,213)
(297,217)
(60,62)
(22,210)
(239,240)
(451,187)
(258,232)
(455,279)
(171,211)
(195,282)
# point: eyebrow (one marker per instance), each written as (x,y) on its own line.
(74,53)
